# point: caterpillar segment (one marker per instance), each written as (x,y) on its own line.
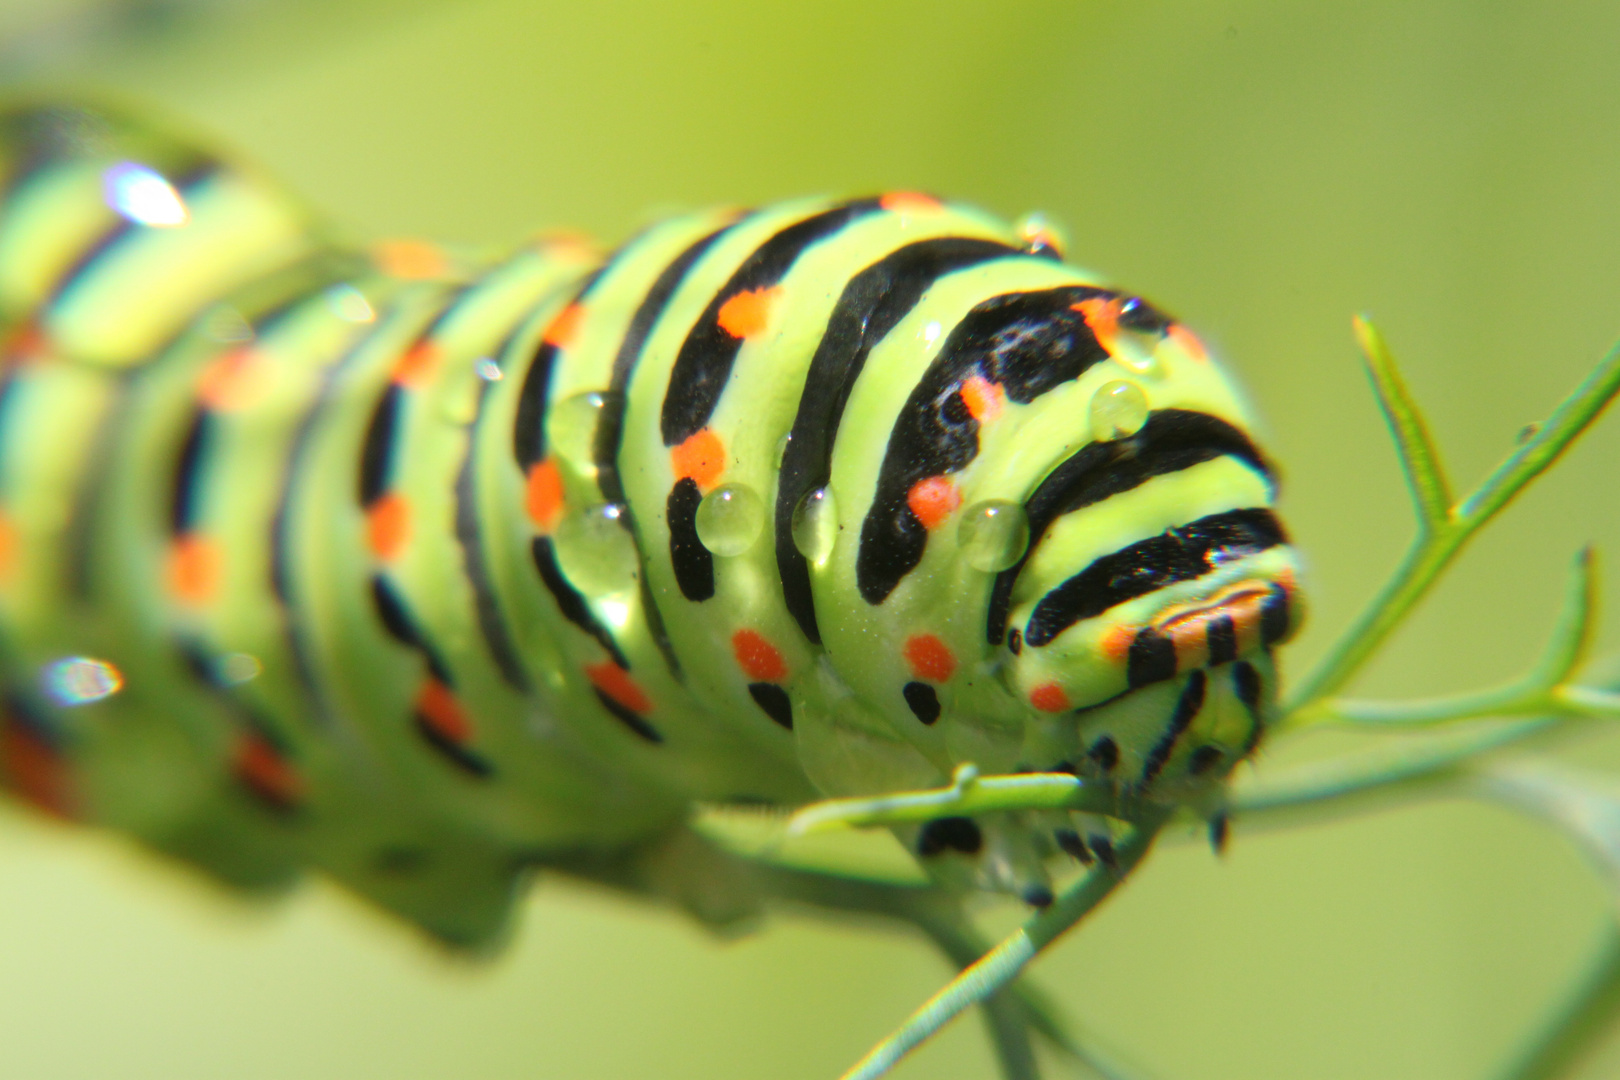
(424,569)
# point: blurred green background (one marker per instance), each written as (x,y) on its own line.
(1262,169)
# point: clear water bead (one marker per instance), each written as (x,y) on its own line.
(1118,409)
(730,518)
(596,551)
(993,535)
(815,525)
(1041,234)
(572,428)
(239,667)
(79,680)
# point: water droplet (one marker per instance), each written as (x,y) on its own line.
(1118,409)
(782,447)
(239,667)
(1041,234)
(730,518)
(930,332)
(143,196)
(348,304)
(596,551)
(79,680)
(488,370)
(1138,351)
(993,535)
(815,525)
(572,428)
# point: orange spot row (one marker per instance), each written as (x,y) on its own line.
(261,767)
(234,380)
(35,771)
(413,260)
(416,364)
(701,458)
(544,494)
(1049,697)
(1116,642)
(564,329)
(1188,341)
(194,568)
(758,658)
(616,683)
(8,546)
(982,397)
(388,525)
(746,314)
(440,710)
(899,202)
(929,658)
(933,499)
(28,341)
(1101,315)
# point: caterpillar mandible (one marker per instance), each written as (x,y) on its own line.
(426,570)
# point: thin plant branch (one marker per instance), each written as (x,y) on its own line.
(1001,965)
(1441,538)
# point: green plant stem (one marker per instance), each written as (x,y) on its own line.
(1406,768)
(1440,539)
(1001,965)
(1578,1023)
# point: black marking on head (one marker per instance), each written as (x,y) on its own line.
(922,700)
(629,718)
(1028,344)
(1105,752)
(1151,659)
(1070,842)
(949,834)
(1170,441)
(704,363)
(1204,759)
(774,701)
(1104,847)
(1274,615)
(1219,832)
(377,451)
(569,601)
(1038,896)
(1247,682)
(1187,706)
(401,626)
(1015,640)
(1248,685)
(188,466)
(693,563)
(1183,553)
(872,303)
(1221,634)
(462,757)
(491,620)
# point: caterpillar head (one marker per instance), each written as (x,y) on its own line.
(1072,548)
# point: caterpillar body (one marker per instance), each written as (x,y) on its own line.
(424,569)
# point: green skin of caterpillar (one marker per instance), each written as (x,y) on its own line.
(246,358)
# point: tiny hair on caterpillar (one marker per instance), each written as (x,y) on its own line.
(428,570)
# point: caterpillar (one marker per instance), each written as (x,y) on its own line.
(425,568)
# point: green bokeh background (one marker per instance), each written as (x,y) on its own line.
(1261,168)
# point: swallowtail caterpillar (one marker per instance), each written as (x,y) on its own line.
(425,571)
